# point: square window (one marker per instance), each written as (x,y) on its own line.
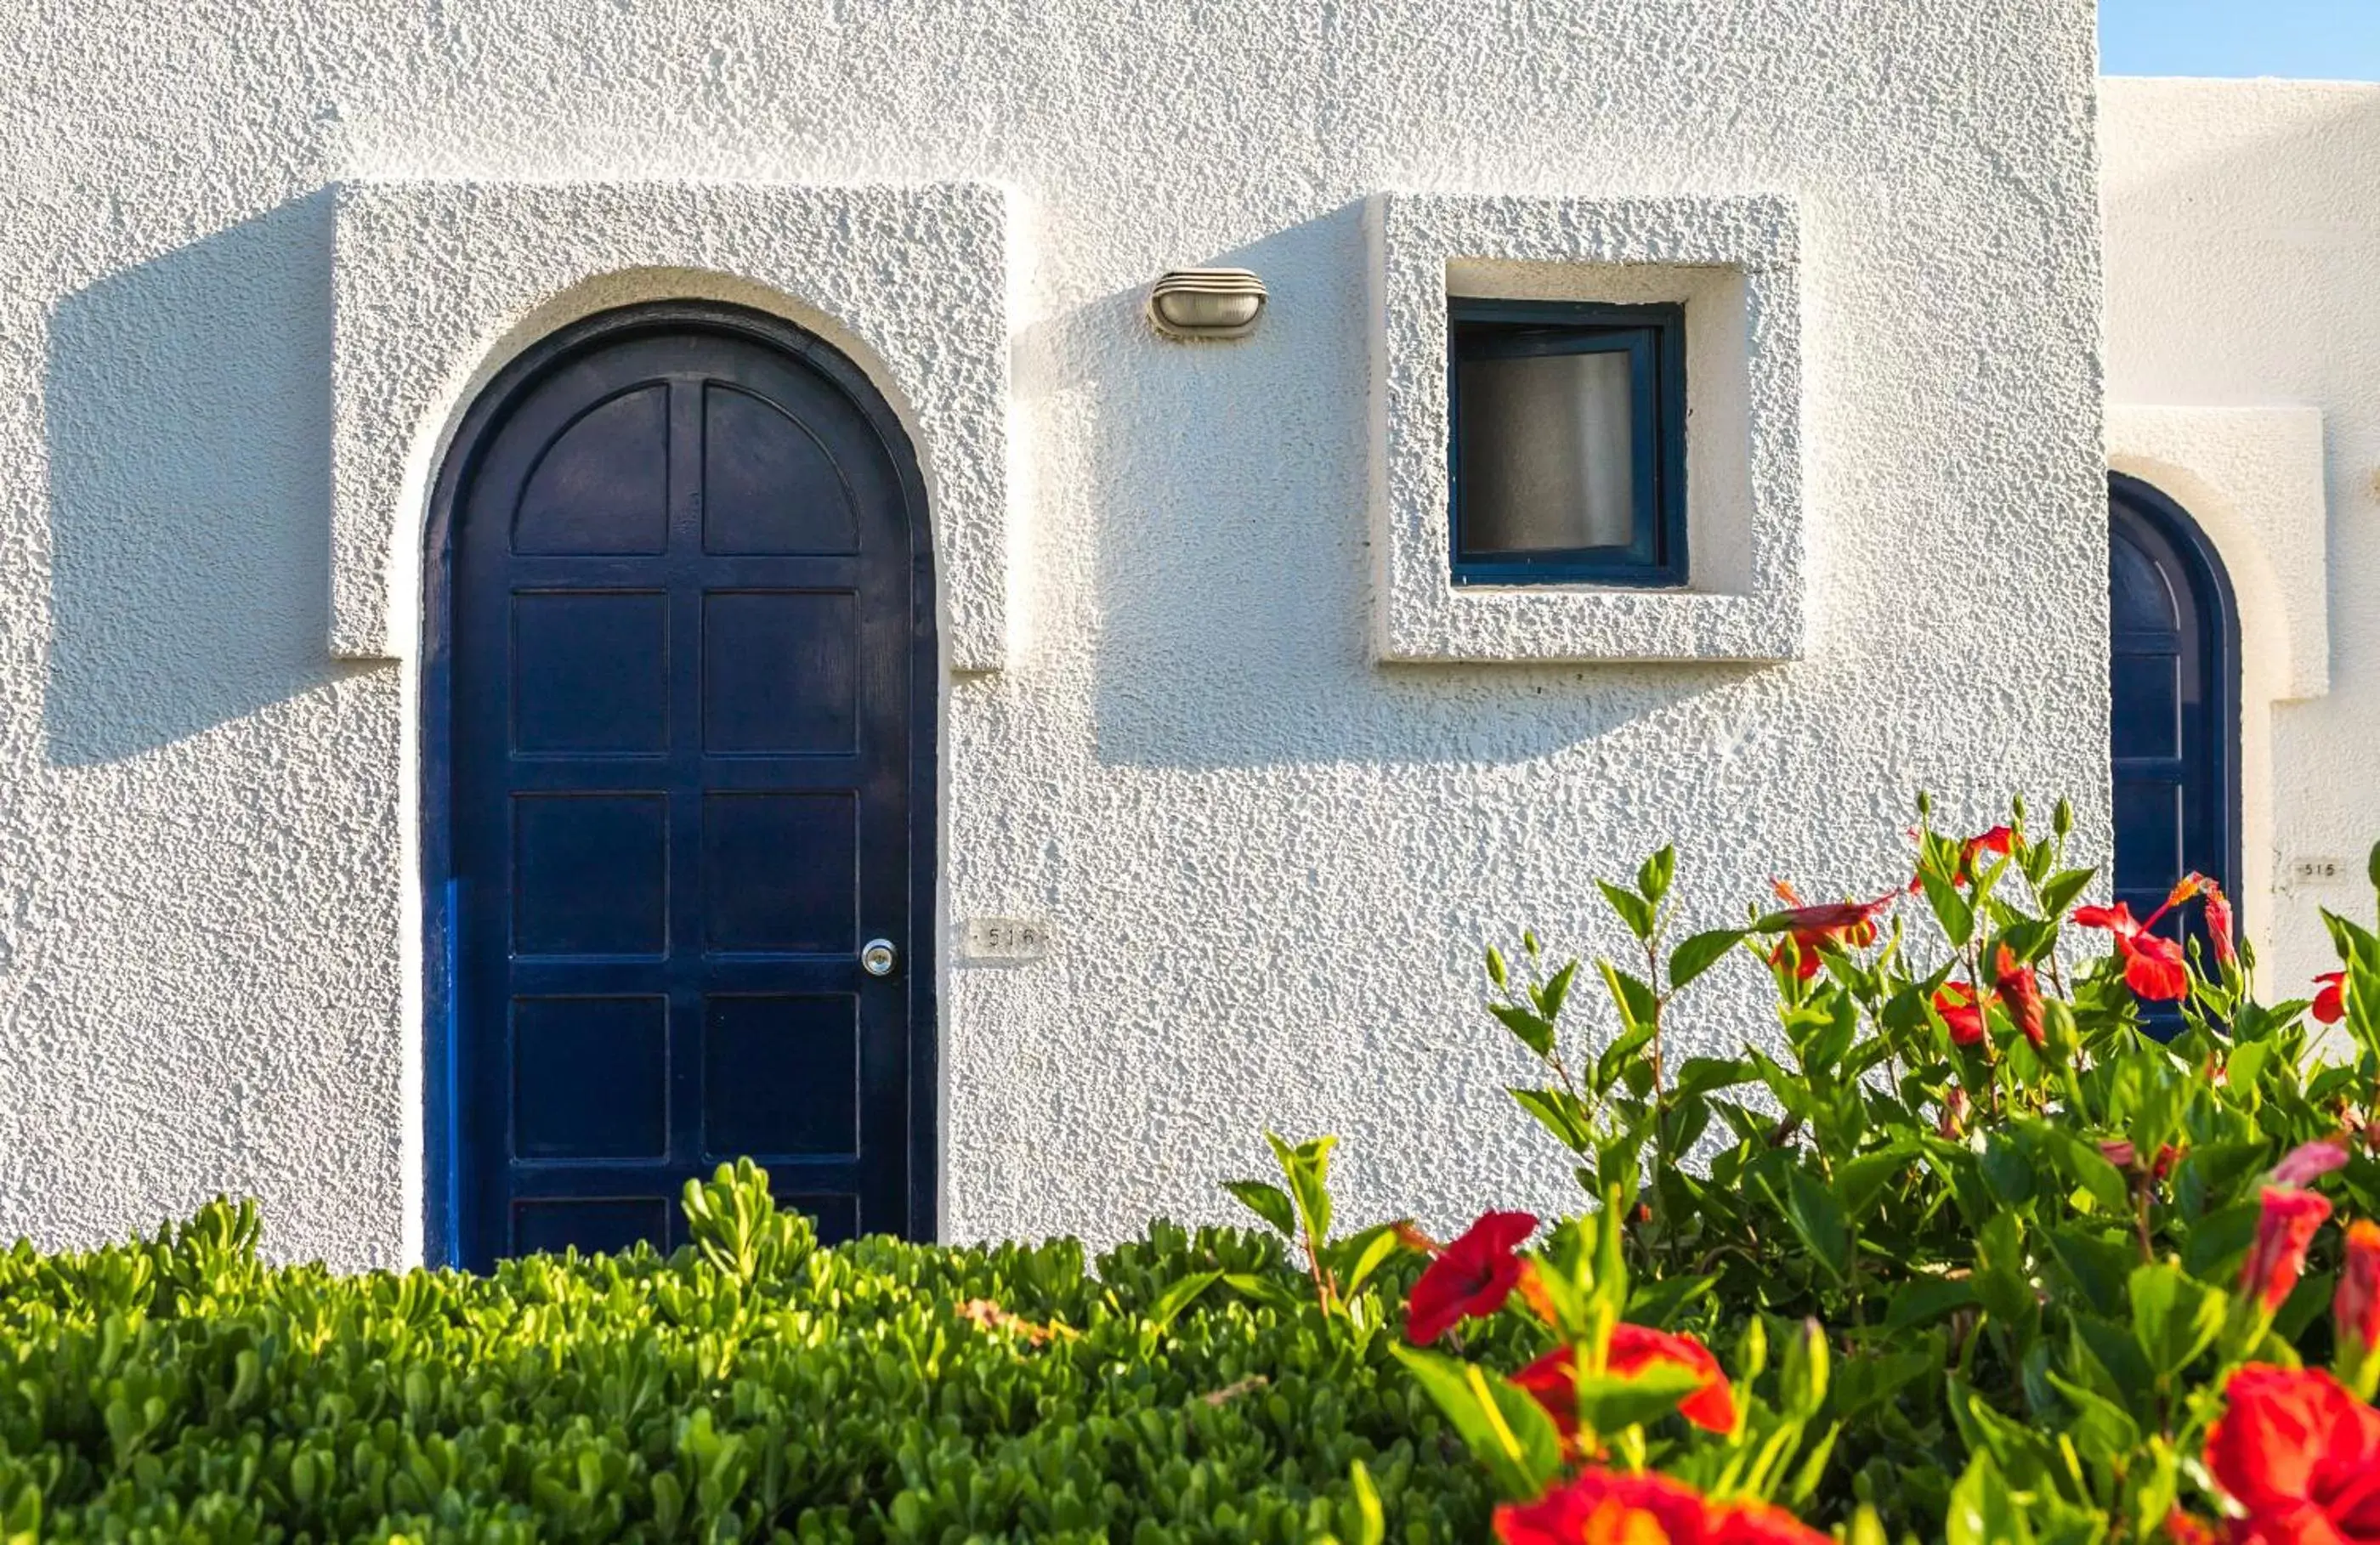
(1567,442)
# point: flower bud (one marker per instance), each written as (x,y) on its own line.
(2284,1229)
(2356,1308)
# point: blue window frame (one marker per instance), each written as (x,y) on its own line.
(1566,442)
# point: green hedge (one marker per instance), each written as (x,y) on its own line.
(754,1387)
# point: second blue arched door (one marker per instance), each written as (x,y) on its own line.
(686,692)
(2174,710)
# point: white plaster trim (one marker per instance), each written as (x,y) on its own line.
(1734,264)
(436,285)
(2252,480)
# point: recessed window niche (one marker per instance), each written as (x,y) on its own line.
(1588,429)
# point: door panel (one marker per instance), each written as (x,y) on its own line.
(2173,726)
(688,690)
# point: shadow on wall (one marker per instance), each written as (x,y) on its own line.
(189,423)
(1230,580)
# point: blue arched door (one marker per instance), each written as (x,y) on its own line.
(680,734)
(2173,684)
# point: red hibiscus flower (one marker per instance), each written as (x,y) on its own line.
(1845,924)
(2302,1457)
(2356,1306)
(1472,1277)
(2154,967)
(2287,1225)
(1955,1001)
(2331,1001)
(2022,993)
(1604,1507)
(1551,1382)
(1996,841)
(1711,1406)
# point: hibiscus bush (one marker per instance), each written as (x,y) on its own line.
(2026,1222)
(2018,1226)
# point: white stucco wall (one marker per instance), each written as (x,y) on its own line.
(2242,232)
(1268,860)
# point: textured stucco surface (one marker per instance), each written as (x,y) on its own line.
(1269,861)
(1730,264)
(910,281)
(2243,232)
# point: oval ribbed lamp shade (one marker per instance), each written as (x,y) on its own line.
(1207,303)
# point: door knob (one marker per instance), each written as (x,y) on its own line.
(878,957)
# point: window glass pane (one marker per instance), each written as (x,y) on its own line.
(1545,458)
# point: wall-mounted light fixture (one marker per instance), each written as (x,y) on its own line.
(1207,303)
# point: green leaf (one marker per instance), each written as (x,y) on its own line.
(1632,997)
(1702,1075)
(1607,1402)
(1698,953)
(2061,890)
(1818,1218)
(2083,1164)
(1551,997)
(1177,1297)
(1619,1056)
(2097,1268)
(1559,1112)
(1372,1526)
(1528,1028)
(2216,1241)
(1355,1257)
(1269,1202)
(1983,1510)
(2352,942)
(1654,875)
(1633,910)
(2104,1430)
(1860,1181)
(1502,1424)
(2007,1169)
(1951,908)
(1306,1167)
(1658,1302)
(1864,1384)
(1926,1299)
(2174,1317)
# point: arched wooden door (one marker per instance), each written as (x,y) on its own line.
(681,717)
(2174,689)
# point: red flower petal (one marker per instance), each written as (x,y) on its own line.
(2021,992)
(1711,1407)
(2117,919)
(1599,1507)
(2219,925)
(1472,1277)
(2310,1161)
(2330,1002)
(1955,1001)
(2154,967)
(2297,1452)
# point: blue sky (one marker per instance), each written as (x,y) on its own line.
(2308,40)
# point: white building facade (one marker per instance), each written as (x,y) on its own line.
(540,532)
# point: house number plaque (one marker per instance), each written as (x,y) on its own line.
(1003,941)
